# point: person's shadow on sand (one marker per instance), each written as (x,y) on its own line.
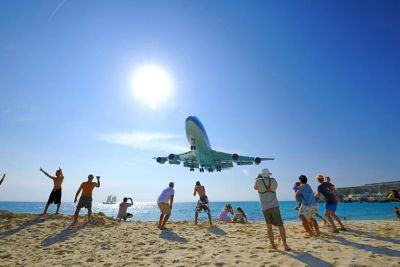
(169,235)
(62,236)
(307,258)
(216,231)
(378,250)
(369,235)
(23,226)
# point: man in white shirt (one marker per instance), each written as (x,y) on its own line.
(266,187)
(164,203)
(123,207)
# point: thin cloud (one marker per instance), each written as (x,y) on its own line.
(56,9)
(148,141)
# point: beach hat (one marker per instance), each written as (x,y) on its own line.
(265,173)
(319,177)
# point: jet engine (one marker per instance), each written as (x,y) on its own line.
(235,157)
(171,156)
(257,160)
(161,160)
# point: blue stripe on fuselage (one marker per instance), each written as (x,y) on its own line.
(200,127)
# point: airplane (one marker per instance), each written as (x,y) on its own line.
(201,156)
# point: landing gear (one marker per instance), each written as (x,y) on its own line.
(192,147)
(210,170)
(191,169)
(218,168)
(201,169)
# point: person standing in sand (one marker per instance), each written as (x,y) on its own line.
(55,195)
(123,206)
(86,198)
(2,179)
(328,191)
(164,203)
(202,203)
(308,208)
(266,187)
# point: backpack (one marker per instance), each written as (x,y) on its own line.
(266,187)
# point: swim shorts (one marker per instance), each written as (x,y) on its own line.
(309,212)
(85,202)
(164,208)
(331,207)
(202,204)
(55,196)
(273,216)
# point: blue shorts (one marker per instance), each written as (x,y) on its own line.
(331,207)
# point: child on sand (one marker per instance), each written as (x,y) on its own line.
(224,215)
(239,216)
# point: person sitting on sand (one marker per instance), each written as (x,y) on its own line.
(397,212)
(2,179)
(123,206)
(266,187)
(308,208)
(202,203)
(328,191)
(55,195)
(239,216)
(164,203)
(394,195)
(85,201)
(224,215)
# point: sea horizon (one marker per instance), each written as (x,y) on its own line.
(184,211)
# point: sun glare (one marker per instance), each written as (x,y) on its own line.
(152,85)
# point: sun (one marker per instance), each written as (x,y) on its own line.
(152,85)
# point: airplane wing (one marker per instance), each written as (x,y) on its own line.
(189,159)
(238,159)
(214,161)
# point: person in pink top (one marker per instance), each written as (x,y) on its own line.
(224,215)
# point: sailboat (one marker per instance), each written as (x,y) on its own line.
(111,199)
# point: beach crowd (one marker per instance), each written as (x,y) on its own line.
(265,185)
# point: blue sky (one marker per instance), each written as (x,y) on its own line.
(314,84)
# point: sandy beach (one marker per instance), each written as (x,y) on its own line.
(32,240)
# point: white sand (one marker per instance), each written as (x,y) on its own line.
(30,240)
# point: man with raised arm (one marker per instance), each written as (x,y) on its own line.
(85,201)
(123,207)
(202,204)
(55,195)
(2,179)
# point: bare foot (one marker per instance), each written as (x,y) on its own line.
(274,246)
(287,248)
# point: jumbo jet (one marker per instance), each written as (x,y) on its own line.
(201,156)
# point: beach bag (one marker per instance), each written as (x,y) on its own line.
(266,187)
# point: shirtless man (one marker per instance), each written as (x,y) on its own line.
(55,195)
(2,179)
(85,201)
(202,204)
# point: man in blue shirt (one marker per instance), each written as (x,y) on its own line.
(308,209)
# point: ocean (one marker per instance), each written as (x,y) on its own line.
(184,211)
